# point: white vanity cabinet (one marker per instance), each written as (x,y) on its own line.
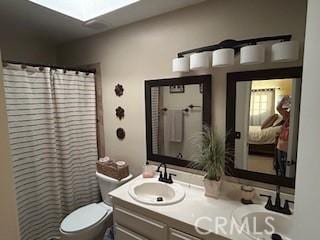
(145,226)
(124,233)
(130,225)
(177,235)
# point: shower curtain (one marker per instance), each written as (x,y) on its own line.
(52,130)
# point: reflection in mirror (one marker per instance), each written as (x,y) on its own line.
(176,119)
(266,126)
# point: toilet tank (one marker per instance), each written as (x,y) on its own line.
(107,184)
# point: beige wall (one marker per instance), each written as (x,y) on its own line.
(144,50)
(18,44)
(8,211)
(307,210)
(284,85)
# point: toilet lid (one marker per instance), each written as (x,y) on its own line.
(83,217)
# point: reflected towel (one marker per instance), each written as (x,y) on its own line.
(175,125)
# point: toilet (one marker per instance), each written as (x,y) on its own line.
(91,221)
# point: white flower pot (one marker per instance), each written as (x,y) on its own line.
(212,188)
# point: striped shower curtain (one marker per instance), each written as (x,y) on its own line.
(52,130)
(155,94)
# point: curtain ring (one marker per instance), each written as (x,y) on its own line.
(64,71)
(41,68)
(77,72)
(23,66)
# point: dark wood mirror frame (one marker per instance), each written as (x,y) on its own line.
(205,80)
(232,79)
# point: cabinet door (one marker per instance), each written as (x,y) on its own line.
(147,227)
(177,235)
(122,233)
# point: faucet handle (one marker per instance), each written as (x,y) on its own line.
(286,207)
(170,178)
(269,202)
(288,201)
(264,195)
(170,175)
(160,174)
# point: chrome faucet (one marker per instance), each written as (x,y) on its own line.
(276,207)
(163,177)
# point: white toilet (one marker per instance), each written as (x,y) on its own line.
(91,222)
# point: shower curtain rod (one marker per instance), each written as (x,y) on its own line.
(50,66)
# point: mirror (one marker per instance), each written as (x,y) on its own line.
(263,123)
(176,110)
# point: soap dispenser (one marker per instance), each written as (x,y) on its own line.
(148,171)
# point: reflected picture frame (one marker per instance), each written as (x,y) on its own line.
(177,89)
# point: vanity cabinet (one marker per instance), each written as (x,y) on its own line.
(130,225)
(147,227)
(177,235)
(124,233)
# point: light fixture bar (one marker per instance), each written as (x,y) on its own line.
(235,44)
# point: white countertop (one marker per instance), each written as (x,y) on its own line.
(195,205)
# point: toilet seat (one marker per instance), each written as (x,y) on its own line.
(85,217)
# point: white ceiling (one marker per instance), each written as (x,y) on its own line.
(57,28)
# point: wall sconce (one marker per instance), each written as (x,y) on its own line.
(223,57)
(285,51)
(252,54)
(199,60)
(181,64)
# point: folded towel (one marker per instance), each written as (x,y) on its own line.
(120,163)
(175,125)
(105,160)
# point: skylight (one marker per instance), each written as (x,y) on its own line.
(84,10)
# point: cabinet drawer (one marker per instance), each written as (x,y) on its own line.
(177,235)
(140,224)
(122,233)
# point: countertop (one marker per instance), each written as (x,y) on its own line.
(193,207)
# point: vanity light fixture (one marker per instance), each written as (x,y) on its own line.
(181,64)
(199,61)
(285,51)
(252,54)
(223,57)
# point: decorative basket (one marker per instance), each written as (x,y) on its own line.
(113,170)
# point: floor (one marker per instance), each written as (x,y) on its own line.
(109,234)
(263,164)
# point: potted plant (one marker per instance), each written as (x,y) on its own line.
(210,157)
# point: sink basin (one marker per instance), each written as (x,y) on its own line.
(262,223)
(151,191)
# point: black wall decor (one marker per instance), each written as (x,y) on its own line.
(121,134)
(120,112)
(177,89)
(119,90)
